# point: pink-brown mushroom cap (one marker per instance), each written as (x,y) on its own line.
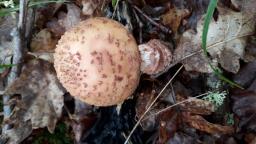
(98,62)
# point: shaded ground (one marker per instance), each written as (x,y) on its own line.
(196,107)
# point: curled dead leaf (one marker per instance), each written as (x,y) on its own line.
(41,97)
(226,37)
(168,125)
(173,18)
(65,21)
(43,42)
(196,106)
(199,123)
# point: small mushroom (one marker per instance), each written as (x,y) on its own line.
(98,62)
(155,57)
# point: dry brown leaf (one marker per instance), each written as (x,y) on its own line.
(41,97)
(199,123)
(65,21)
(245,109)
(168,125)
(250,138)
(46,12)
(196,106)
(54,27)
(143,101)
(226,42)
(72,18)
(174,17)
(43,42)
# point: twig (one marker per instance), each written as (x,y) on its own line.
(18,52)
(159,25)
(171,106)
(149,107)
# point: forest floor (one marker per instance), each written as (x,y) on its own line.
(206,93)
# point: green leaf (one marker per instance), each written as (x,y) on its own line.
(114,2)
(6,65)
(207,21)
(3,66)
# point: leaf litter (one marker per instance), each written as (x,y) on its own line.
(39,97)
(226,42)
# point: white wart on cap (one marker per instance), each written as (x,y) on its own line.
(98,62)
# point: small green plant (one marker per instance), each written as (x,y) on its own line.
(230,119)
(216,98)
(114,2)
(207,20)
(60,136)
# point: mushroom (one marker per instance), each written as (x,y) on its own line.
(155,57)
(98,62)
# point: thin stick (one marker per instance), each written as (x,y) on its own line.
(147,110)
(159,25)
(18,50)
(171,106)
